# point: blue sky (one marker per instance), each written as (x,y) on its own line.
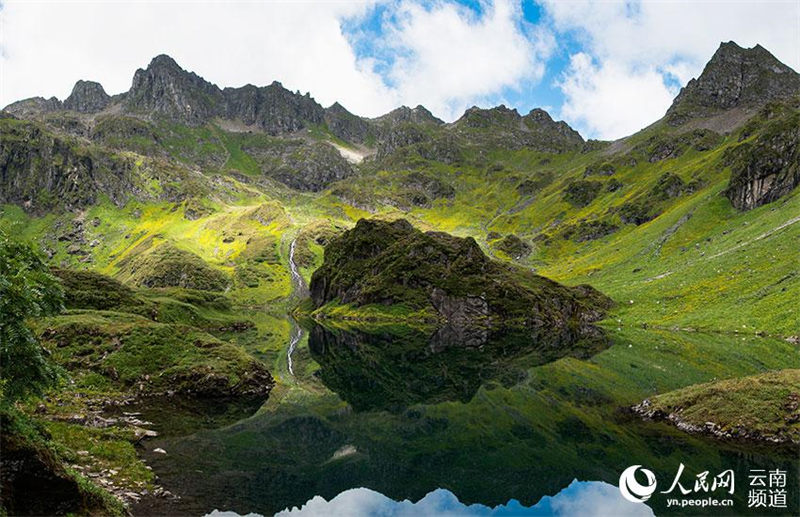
(608,68)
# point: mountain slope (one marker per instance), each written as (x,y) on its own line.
(230,175)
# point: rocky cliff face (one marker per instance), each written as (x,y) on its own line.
(418,115)
(29,108)
(735,77)
(272,108)
(392,263)
(768,167)
(165,89)
(345,125)
(39,170)
(87,97)
(510,130)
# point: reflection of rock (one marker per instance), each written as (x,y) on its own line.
(459,310)
(462,336)
(393,369)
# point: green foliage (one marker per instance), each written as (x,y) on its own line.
(27,290)
(89,290)
(132,353)
(582,192)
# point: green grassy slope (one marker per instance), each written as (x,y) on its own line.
(698,263)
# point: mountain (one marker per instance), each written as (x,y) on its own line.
(165,89)
(735,77)
(87,97)
(165,93)
(246,167)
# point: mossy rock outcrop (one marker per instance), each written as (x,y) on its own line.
(131,353)
(35,479)
(763,407)
(582,192)
(393,264)
(167,266)
(89,290)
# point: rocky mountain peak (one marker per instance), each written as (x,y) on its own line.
(87,97)
(166,89)
(337,108)
(539,115)
(164,61)
(345,125)
(418,115)
(735,77)
(29,108)
(501,115)
(541,123)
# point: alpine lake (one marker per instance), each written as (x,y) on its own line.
(395,419)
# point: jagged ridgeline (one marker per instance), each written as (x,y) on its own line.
(173,173)
(178,182)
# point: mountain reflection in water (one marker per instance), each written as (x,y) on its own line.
(393,367)
(585,498)
(327,432)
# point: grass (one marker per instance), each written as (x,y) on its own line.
(130,352)
(764,405)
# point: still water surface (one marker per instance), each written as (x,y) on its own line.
(396,421)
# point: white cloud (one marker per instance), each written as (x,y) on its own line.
(633,43)
(47,46)
(447,56)
(589,498)
(610,100)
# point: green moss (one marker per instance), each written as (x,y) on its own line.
(168,266)
(89,290)
(392,263)
(133,353)
(761,406)
(582,192)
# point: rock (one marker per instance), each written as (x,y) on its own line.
(601,169)
(767,168)
(582,192)
(165,89)
(272,108)
(514,247)
(42,171)
(589,230)
(734,77)
(536,130)
(459,311)
(429,187)
(312,168)
(387,263)
(30,108)
(87,97)
(345,125)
